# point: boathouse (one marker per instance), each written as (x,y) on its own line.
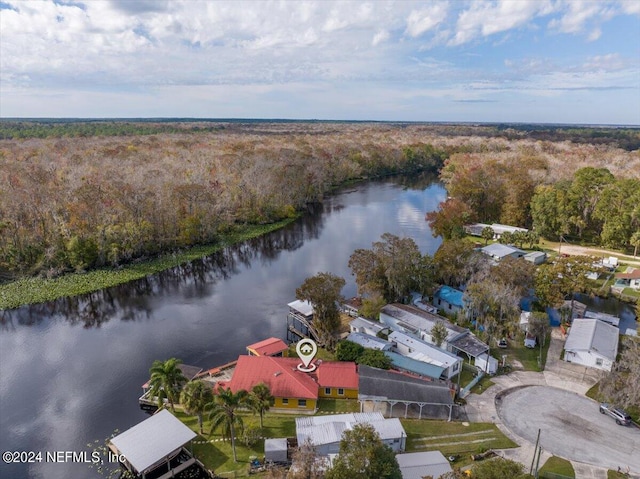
(155,447)
(267,347)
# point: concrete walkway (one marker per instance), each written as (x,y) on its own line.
(557,374)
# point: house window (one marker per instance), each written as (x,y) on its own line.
(449,306)
(302,403)
(598,361)
(340,392)
(285,401)
(327,391)
(455,367)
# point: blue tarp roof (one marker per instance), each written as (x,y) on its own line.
(414,366)
(450,295)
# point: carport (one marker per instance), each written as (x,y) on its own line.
(389,387)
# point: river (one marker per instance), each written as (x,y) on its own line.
(71,370)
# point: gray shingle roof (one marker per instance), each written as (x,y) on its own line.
(595,335)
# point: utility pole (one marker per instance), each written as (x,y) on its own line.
(535,450)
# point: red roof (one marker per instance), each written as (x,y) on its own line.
(337,375)
(268,347)
(635,274)
(280,374)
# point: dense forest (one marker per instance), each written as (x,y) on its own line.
(75,196)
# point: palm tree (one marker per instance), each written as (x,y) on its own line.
(194,398)
(260,399)
(166,381)
(223,413)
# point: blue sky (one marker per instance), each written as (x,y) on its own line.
(543,61)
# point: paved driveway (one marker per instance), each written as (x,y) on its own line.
(571,427)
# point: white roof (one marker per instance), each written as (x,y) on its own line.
(152,440)
(593,335)
(303,307)
(498,250)
(419,319)
(423,351)
(329,429)
(416,465)
(366,324)
(368,341)
(524,317)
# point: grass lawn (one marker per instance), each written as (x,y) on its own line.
(557,465)
(517,352)
(338,406)
(468,374)
(453,438)
(218,455)
(611,474)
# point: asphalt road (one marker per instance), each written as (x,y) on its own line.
(571,427)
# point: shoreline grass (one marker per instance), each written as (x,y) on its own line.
(39,290)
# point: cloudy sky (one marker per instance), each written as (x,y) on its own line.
(559,61)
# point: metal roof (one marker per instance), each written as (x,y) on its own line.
(400,387)
(366,324)
(329,429)
(368,341)
(152,440)
(593,335)
(403,363)
(423,351)
(416,465)
(420,319)
(303,307)
(498,250)
(268,346)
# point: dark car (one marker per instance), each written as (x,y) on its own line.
(621,417)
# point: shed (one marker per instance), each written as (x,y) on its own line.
(536,257)
(416,465)
(481,364)
(276,449)
(449,299)
(152,445)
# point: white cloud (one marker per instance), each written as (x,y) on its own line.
(421,21)
(380,37)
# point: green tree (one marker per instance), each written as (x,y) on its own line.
(363,455)
(166,381)
(392,268)
(194,398)
(549,210)
(374,358)
(451,260)
(635,242)
(449,220)
(223,414)
(507,238)
(539,326)
(260,400)
(323,292)
(622,384)
(586,188)
(439,333)
(487,234)
(533,238)
(348,351)
(555,282)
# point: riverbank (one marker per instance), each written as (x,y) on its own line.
(38,290)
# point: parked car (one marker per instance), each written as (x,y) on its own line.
(621,417)
(502,343)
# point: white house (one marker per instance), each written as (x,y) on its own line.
(361,325)
(414,348)
(592,343)
(325,432)
(449,300)
(498,229)
(630,279)
(418,323)
(499,251)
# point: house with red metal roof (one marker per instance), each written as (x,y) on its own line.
(293,389)
(337,379)
(267,347)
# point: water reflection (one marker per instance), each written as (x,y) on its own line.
(71,370)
